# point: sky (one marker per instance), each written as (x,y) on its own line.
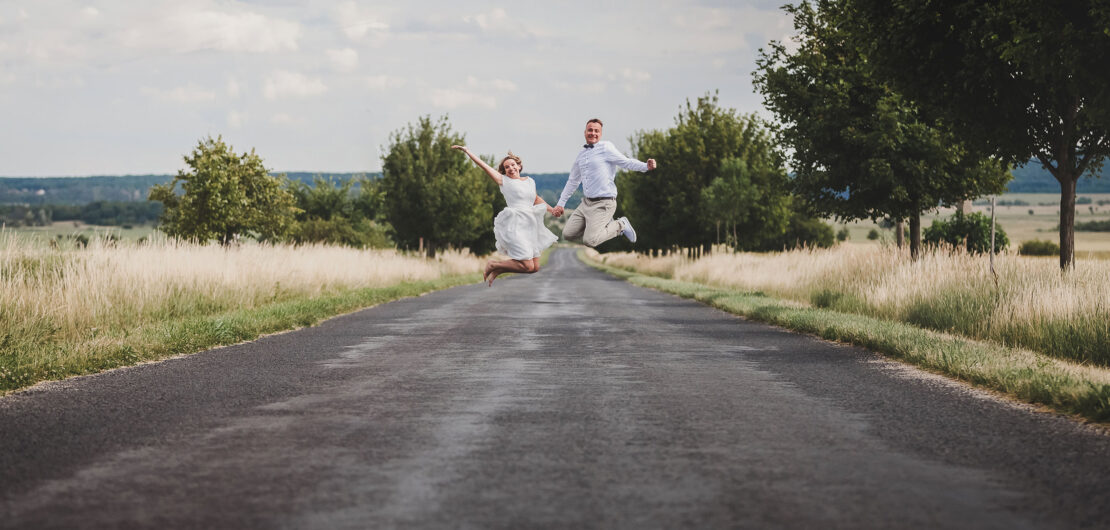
(126,87)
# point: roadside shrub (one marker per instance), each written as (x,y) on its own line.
(1092,226)
(970,231)
(873,234)
(1037,247)
(842,234)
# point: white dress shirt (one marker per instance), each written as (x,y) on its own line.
(596,169)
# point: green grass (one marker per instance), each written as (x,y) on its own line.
(1025,375)
(32,355)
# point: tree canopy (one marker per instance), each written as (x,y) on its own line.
(433,193)
(858,149)
(224,195)
(1019,80)
(715,165)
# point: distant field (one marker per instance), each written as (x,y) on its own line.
(68,230)
(1021,225)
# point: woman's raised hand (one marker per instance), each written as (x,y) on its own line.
(461,148)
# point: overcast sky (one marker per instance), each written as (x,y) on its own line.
(128,87)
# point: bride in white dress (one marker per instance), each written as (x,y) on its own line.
(518,229)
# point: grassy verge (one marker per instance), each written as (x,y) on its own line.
(25,364)
(1032,377)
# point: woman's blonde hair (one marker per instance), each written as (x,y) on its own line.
(510,156)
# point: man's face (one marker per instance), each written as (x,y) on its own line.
(593,132)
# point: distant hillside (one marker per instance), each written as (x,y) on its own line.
(84,190)
(1032,178)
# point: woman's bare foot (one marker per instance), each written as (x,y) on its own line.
(492,276)
(485,273)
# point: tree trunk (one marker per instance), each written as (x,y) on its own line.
(915,236)
(1067,221)
(900,228)
(430,250)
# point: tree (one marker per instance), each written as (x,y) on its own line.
(331,213)
(433,193)
(714,164)
(970,231)
(859,149)
(224,195)
(1022,80)
(748,203)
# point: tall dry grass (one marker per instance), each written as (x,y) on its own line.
(90,302)
(1034,305)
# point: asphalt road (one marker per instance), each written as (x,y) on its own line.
(565,399)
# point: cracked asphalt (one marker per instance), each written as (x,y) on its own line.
(564,399)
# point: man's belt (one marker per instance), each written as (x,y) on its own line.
(598,198)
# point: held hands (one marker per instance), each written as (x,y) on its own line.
(557,211)
(651,164)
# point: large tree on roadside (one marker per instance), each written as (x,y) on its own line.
(224,195)
(709,148)
(1019,79)
(860,150)
(433,193)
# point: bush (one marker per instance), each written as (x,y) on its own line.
(1092,226)
(970,231)
(1037,247)
(873,234)
(842,234)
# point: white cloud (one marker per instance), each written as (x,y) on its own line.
(589,87)
(382,82)
(90,12)
(186,94)
(281,118)
(185,30)
(635,76)
(233,88)
(500,85)
(345,60)
(357,23)
(292,84)
(236,119)
(452,99)
(495,19)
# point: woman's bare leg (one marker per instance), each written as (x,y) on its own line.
(497,268)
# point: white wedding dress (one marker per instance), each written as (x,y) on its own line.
(519,228)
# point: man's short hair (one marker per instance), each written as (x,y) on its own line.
(595,120)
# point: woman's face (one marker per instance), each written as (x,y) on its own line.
(512,169)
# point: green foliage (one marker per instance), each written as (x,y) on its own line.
(970,231)
(843,234)
(1018,80)
(873,234)
(1037,247)
(1093,226)
(802,231)
(859,149)
(435,194)
(224,195)
(714,166)
(330,212)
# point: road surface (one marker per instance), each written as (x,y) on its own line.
(565,399)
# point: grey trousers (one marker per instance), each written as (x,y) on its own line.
(592,222)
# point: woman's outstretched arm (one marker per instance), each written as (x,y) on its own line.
(493,174)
